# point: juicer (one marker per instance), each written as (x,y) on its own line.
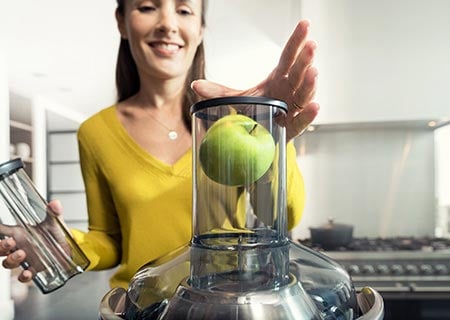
(240,262)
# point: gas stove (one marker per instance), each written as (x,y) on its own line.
(428,244)
(407,265)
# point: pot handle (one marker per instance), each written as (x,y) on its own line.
(112,306)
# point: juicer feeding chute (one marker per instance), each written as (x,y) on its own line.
(240,263)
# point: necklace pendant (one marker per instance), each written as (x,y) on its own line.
(173,135)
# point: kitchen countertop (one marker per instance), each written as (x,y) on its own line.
(79,299)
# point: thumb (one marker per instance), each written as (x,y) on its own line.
(207,89)
(302,120)
(56,207)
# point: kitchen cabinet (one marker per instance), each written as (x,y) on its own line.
(25,130)
(27,127)
(21,144)
(65,181)
(380,60)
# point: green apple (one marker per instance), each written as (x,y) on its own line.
(236,150)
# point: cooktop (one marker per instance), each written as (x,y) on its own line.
(388,244)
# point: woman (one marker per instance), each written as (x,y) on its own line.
(136,155)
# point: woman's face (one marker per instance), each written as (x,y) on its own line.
(163,35)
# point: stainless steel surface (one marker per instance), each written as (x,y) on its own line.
(112,306)
(371,304)
(154,287)
(284,303)
(397,265)
(400,271)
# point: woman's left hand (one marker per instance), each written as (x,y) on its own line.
(293,81)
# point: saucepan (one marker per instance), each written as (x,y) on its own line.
(331,235)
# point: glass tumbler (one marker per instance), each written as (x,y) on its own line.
(52,255)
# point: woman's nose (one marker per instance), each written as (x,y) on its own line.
(167,22)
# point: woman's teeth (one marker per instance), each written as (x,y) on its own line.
(166,46)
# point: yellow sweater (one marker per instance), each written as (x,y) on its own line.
(140,207)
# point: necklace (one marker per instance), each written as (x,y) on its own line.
(173,135)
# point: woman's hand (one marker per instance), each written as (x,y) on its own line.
(293,81)
(15,238)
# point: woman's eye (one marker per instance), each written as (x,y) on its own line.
(146,8)
(184,11)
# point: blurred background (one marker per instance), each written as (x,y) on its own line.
(376,158)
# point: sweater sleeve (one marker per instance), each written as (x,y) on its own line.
(295,188)
(102,243)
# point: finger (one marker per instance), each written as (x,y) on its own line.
(56,207)
(25,276)
(306,92)
(6,231)
(208,89)
(304,61)
(14,259)
(6,245)
(303,119)
(292,47)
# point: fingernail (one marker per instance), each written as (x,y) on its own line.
(16,255)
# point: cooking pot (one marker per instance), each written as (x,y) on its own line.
(331,235)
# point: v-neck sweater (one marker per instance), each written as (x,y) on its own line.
(139,207)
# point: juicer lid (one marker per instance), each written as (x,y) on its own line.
(239,100)
(9,167)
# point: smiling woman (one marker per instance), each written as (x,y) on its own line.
(148,14)
(137,173)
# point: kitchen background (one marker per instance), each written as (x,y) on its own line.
(377,156)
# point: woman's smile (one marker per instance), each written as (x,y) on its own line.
(162,48)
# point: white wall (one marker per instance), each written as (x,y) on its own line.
(238,54)
(6,304)
(381,60)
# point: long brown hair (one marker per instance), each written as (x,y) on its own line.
(127,77)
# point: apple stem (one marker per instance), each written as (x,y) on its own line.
(253,129)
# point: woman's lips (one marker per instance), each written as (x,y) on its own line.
(165,48)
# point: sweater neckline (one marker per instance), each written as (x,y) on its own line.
(183,163)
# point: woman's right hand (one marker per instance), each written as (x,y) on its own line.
(293,80)
(15,256)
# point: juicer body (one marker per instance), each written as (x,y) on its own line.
(240,263)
